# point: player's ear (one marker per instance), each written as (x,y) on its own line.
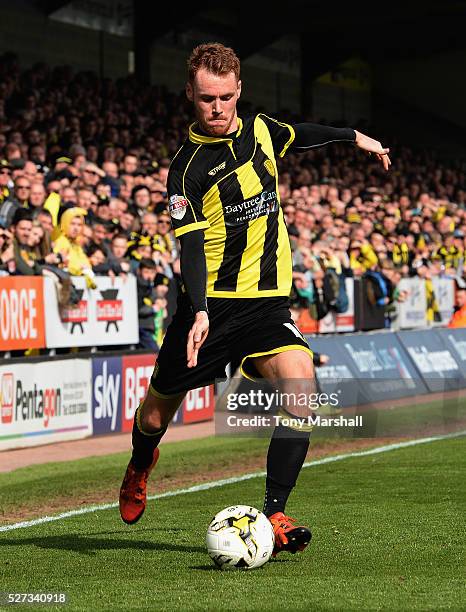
(238,88)
(189,91)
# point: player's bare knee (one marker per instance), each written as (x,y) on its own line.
(153,420)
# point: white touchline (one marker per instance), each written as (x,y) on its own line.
(234,479)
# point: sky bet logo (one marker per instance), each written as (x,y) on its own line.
(106,396)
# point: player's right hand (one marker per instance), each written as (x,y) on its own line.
(196,337)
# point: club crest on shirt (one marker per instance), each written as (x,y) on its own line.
(177,206)
(269,167)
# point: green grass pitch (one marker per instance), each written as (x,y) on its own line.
(388,534)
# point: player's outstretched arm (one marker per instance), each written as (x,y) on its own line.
(312,135)
(194,273)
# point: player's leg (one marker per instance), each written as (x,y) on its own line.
(169,383)
(150,424)
(292,372)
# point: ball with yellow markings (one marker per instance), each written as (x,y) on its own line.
(240,537)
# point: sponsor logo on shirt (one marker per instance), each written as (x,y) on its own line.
(259,206)
(177,206)
(214,171)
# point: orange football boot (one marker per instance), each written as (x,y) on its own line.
(133,492)
(288,536)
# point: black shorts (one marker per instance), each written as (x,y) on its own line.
(240,328)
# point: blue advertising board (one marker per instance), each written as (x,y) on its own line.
(433,359)
(337,375)
(455,340)
(382,367)
(106,394)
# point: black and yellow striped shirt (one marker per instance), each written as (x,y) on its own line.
(228,186)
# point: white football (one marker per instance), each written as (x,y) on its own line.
(240,537)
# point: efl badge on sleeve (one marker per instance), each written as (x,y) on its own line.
(177,206)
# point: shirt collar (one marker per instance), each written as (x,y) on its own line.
(198,137)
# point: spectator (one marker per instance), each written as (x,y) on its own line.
(458,318)
(37,195)
(149,224)
(141,197)
(107,150)
(19,197)
(75,261)
(45,219)
(26,262)
(146,274)
(7,252)
(117,257)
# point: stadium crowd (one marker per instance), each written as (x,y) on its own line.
(83,172)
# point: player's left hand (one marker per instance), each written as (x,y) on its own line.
(373,146)
(196,337)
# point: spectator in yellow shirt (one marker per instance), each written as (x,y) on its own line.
(67,245)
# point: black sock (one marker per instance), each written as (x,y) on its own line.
(286,455)
(144,444)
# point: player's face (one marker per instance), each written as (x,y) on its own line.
(215,97)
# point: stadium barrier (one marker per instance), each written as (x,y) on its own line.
(30,317)
(361,315)
(45,400)
(108,315)
(56,399)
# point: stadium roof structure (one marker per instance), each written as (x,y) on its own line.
(394,30)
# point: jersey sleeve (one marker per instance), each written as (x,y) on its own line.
(185,201)
(282,134)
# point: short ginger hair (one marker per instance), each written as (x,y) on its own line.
(215,58)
